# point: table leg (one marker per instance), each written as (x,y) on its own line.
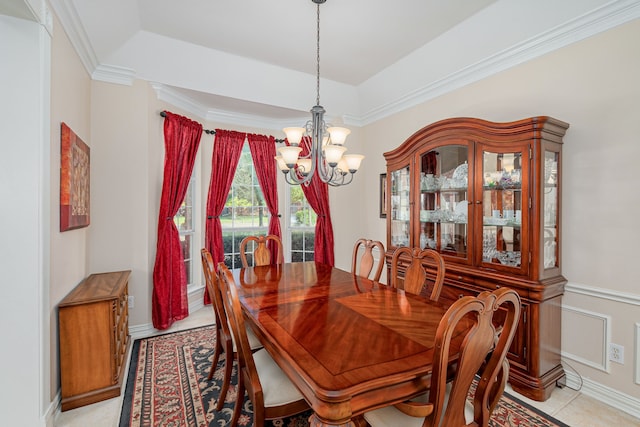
(314,421)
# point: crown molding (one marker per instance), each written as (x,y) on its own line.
(70,20)
(248,120)
(187,104)
(604,18)
(172,97)
(114,74)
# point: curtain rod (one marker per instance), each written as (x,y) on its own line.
(213,132)
(210,132)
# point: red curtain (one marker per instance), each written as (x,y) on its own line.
(263,151)
(169,297)
(226,154)
(317,194)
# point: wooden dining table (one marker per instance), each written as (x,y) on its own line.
(349,344)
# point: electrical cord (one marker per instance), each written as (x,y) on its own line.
(564,362)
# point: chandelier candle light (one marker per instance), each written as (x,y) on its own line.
(326,154)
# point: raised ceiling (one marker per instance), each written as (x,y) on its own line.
(257,58)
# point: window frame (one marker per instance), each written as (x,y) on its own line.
(191,271)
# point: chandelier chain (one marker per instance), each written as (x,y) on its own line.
(318,55)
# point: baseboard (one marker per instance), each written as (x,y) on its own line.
(53,410)
(604,394)
(196,302)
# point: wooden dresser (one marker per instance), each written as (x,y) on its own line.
(94,339)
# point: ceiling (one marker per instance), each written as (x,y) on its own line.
(258,58)
(375,33)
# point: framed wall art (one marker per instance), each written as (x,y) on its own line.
(74,180)
(383,195)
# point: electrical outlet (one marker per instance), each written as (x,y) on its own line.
(616,353)
(131,300)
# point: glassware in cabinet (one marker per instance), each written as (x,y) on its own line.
(444,206)
(400,206)
(503,204)
(550,209)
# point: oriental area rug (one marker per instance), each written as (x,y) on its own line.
(167,386)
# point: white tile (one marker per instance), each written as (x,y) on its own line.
(585,411)
(560,397)
(204,316)
(101,414)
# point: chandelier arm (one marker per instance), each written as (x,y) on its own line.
(338,178)
(350,178)
(293,177)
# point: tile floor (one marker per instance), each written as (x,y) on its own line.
(569,406)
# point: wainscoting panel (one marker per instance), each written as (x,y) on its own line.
(592,348)
(636,357)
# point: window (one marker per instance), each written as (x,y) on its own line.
(185,222)
(245,212)
(302,225)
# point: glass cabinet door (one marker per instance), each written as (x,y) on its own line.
(400,206)
(444,205)
(503,206)
(550,209)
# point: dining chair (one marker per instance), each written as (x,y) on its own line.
(272,393)
(224,338)
(415,276)
(366,261)
(261,253)
(482,351)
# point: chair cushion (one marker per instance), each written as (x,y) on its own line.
(276,387)
(254,342)
(390,416)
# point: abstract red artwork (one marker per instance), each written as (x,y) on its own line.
(74,180)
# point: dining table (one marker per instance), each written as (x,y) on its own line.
(348,344)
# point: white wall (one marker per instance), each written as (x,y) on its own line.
(70,103)
(121,213)
(24,220)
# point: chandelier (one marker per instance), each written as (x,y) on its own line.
(326,154)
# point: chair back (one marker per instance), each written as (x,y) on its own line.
(366,260)
(247,372)
(213,288)
(263,253)
(415,276)
(483,350)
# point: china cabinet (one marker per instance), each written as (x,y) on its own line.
(486,196)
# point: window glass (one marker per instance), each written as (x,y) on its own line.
(302,221)
(245,212)
(185,223)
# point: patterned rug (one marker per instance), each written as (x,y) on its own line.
(167,386)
